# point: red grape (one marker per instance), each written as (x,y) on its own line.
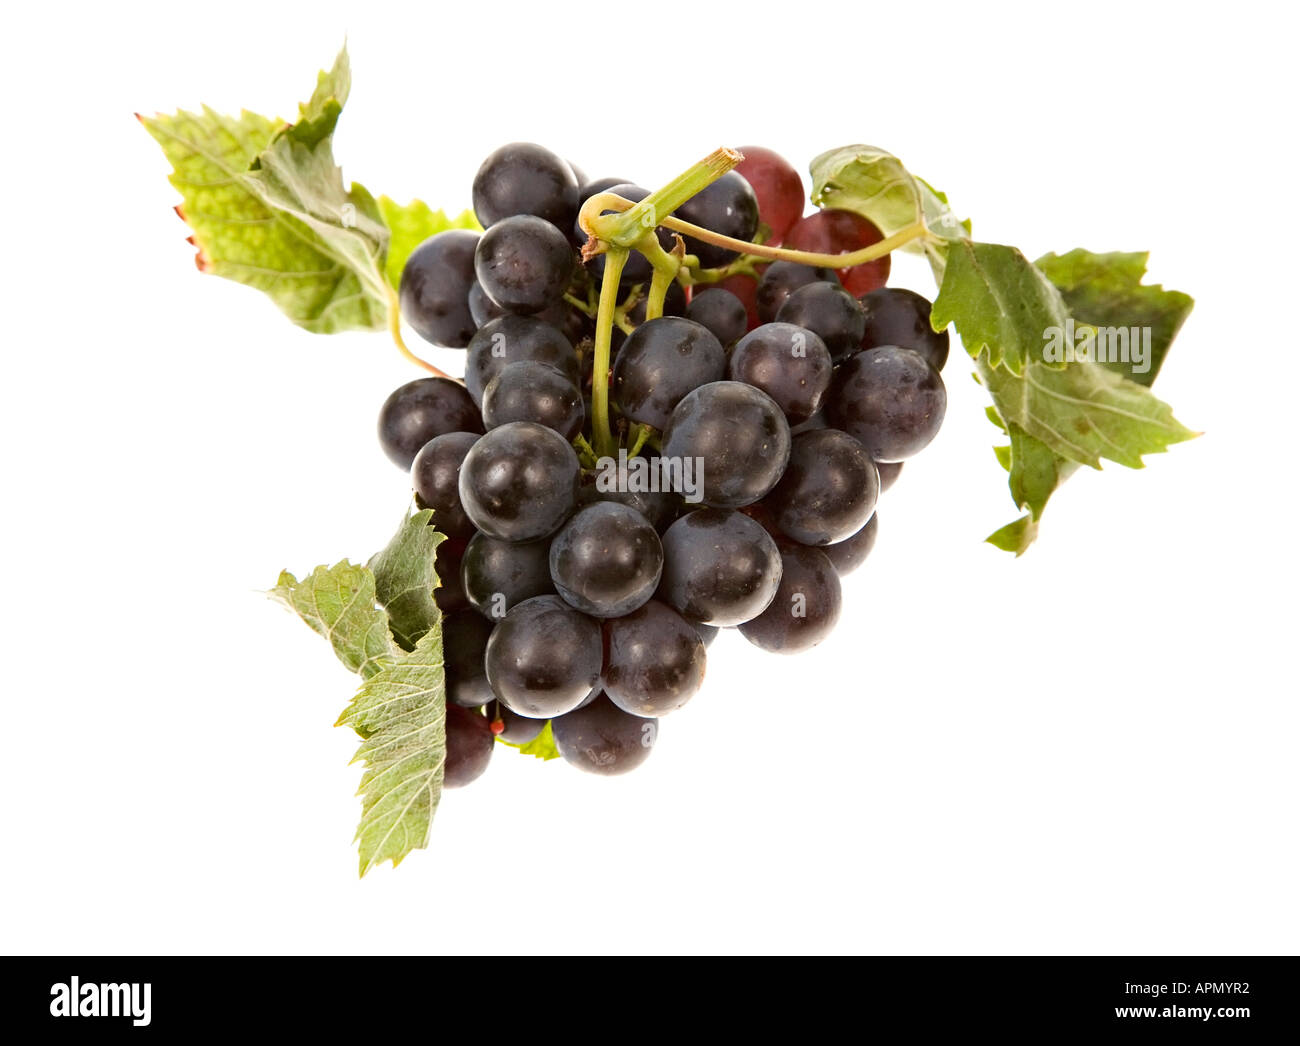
(778,187)
(837,232)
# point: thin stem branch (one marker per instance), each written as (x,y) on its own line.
(395,329)
(615,257)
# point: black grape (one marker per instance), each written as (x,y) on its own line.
(435,285)
(606,560)
(469,746)
(435,474)
(523,263)
(510,339)
(512,728)
(781,279)
(482,308)
(890,400)
(889,471)
(721,312)
(532,391)
(740,434)
(806,606)
(655,661)
(544,658)
(661,361)
(519,482)
(727,206)
(791,364)
(847,555)
(829,489)
(603,739)
(720,567)
(522,178)
(831,313)
(420,410)
(498,575)
(464,642)
(895,316)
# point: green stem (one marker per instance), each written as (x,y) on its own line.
(615,258)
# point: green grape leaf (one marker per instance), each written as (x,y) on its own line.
(405,578)
(876,185)
(268,209)
(409,225)
(1106,291)
(339,603)
(401,713)
(1107,398)
(542,746)
(1000,304)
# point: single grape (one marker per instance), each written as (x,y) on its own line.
(655,661)
(890,400)
(522,178)
(469,746)
(603,739)
(482,308)
(727,206)
(895,316)
(889,471)
(838,232)
(789,363)
(781,279)
(744,287)
(532,391)
(606,560)
(721,312)
(524,263)
(511,728)
(544,658)
(661,361)
(450,594)
(519,482)
(829,489)
(806,606)
(498,575)
(831,313)
(464,644)
(435,474)
(511,339)
(847,555)
(420,410)
(777,186)
(720,567)
(629,482)
(739,436)
(434,288)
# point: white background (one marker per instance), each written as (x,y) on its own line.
(1091,749)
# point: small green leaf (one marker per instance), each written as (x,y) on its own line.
(1106,292)
(1083,411)
(409,225)
(1015,537)
(405,578)
(338,602)
(268,209)
(876,185)
(999,303)
(401,713)
(542,746)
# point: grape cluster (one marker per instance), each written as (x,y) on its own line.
(781,398)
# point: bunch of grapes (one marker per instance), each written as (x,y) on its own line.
(758,418)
